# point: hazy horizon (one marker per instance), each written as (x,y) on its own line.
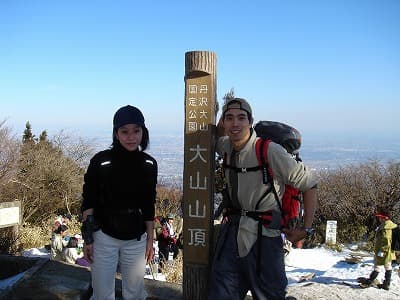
(317,152)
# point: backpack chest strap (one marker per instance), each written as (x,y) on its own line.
(241,170)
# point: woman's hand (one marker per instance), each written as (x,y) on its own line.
(149,255)
(88,252)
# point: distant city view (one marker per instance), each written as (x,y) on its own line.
(316,152)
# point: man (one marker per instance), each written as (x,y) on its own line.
(58,243)
(242,261)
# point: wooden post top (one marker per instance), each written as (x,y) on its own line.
(200,61)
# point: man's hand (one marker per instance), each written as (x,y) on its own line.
(220,128)
(294,235)
(88,252)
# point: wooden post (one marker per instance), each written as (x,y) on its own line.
(198,174)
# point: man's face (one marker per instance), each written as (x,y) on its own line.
(381,219)
(237,125)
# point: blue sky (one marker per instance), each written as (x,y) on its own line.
(323,66)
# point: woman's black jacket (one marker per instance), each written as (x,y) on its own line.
(120,186)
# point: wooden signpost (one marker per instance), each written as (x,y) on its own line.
(10,214)
(198,174)
(330,235)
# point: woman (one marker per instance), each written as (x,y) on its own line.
(71,254)
(119,193)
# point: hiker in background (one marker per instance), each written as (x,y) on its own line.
(57,223)
(67,219)
(62,220)
(158,220)
(383,254)
(238,265)
(167,240)
(119,195)
(58,242)
(71,254)
(179,231)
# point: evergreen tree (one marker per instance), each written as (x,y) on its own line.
(28,135)
(43,136)
(229,95)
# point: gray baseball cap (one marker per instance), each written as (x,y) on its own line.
(239,103)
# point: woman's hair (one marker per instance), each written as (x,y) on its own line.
(73,242)
(143,145)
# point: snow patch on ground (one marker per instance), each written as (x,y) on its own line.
(334,278)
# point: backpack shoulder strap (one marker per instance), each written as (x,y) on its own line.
(262,146)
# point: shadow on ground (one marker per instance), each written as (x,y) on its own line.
(48,279)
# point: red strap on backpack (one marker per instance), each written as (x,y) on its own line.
(261,150)
(290,205)
(262,146)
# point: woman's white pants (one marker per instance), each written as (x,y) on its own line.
(107,253)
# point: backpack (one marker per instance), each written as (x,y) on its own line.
(289,138)
(280,133)
(396,239)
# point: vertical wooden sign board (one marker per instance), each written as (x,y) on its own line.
(198,174)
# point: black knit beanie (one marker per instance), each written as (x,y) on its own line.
(128,115)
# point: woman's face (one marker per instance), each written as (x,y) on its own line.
(130,136)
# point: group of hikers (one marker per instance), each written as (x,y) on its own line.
(118,210)
(64,247)
(167,237)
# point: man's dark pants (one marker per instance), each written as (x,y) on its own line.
(232,277)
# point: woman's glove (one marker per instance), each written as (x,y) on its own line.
(88,227)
